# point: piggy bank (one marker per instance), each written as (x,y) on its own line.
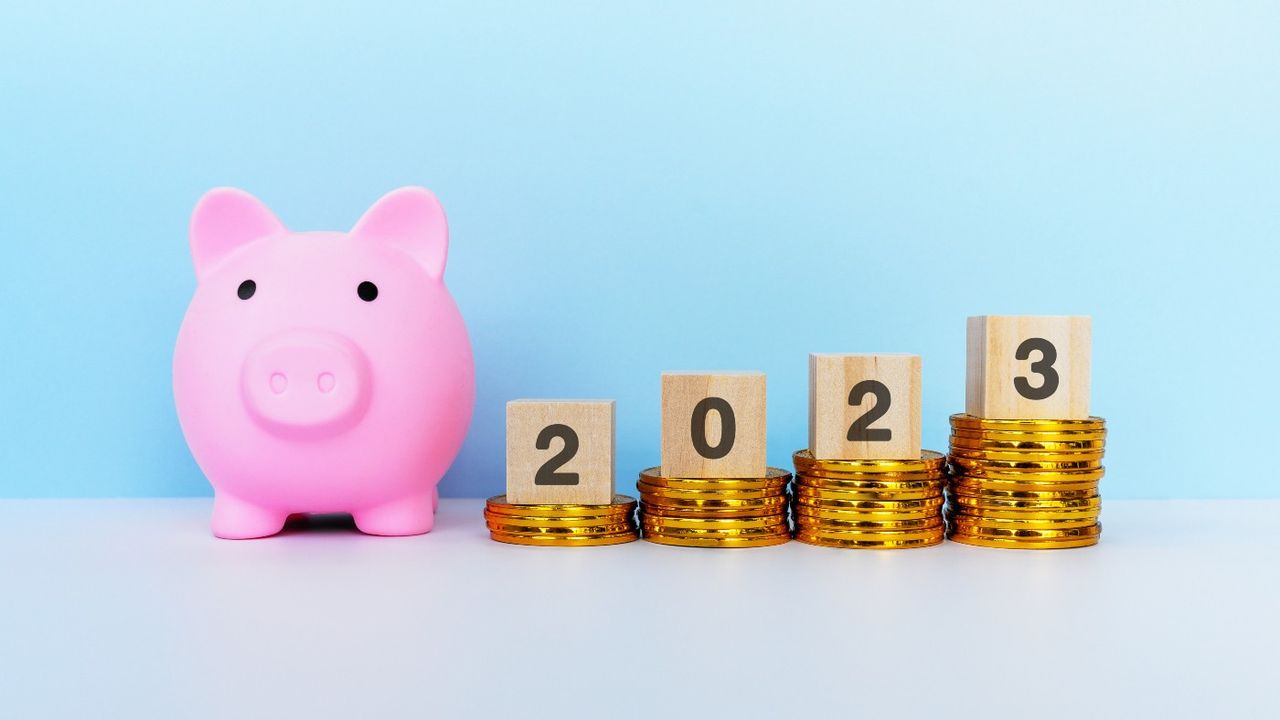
(322,372)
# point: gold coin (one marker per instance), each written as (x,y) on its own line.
(970,465)
(969,422)
(664,522)
(773,476)
(725,542)
(816,481)
(1027,514)
(978,484)
(897,505)
(929,461)
(536,521)
(711,513)
(869,542)
(1049,446)
(715,484)
(621,505)
(870,516)
(1022,543)
(665,492)
(511,529)
(725,505)
(565,541)
(774,527)
(825,494)
(983,520)
(889,476)
(986,529)
(1015,436)
(869,526)
(1025,456)
(987,492)
(1029,476)
(979,502)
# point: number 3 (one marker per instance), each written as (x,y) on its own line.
(547,474)
(1042,367)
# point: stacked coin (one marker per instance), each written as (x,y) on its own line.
(714,512)
(869,503)
(1025,483)
(562,525)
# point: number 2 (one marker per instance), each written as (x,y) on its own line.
(1042,367)
(547,474)
(860,430)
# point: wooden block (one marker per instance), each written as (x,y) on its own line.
(864,406)
(560,451)
(713,425)
(1028,367)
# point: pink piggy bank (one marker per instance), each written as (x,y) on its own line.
(322,371)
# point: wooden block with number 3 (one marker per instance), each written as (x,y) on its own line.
(1028,367)
(864,406)
(560,451)
(713,425)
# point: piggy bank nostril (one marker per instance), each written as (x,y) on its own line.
(278,383)
(326,382)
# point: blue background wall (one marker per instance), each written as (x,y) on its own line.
(636,188)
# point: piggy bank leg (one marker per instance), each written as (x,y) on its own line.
(407,516)
(235,519)
(435,499)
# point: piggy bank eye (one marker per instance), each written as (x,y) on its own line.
(367,291)
(246,289)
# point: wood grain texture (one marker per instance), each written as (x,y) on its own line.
(744,394)
(592,422)
(833,377)
(993,367)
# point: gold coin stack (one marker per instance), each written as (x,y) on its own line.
(714,512)
(562,525)
(869,503)
(1025,483)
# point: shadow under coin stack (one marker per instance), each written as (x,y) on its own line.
(871,504)
(562,525)
(714,512)
(1025,483)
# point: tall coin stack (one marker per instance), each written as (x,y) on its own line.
(869,503)
(562,525)
(714,512)
(1025,483)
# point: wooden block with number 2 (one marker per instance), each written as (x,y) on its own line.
(864,406)
(1028,367)
(560,451)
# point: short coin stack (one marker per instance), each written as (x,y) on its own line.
(714,512)
(869,503)
(1025,483)
(562,525)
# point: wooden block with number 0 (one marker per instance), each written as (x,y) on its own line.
(1026,367)
(713,425)
(560,451)
(864,406)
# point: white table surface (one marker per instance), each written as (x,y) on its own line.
(129,608)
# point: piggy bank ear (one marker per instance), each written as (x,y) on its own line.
(225,219)
(409,219)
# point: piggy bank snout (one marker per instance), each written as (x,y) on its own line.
(306,383)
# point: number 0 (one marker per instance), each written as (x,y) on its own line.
(1042,367)
(547,474)
(698,427)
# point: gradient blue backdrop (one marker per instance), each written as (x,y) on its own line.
(640,187)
